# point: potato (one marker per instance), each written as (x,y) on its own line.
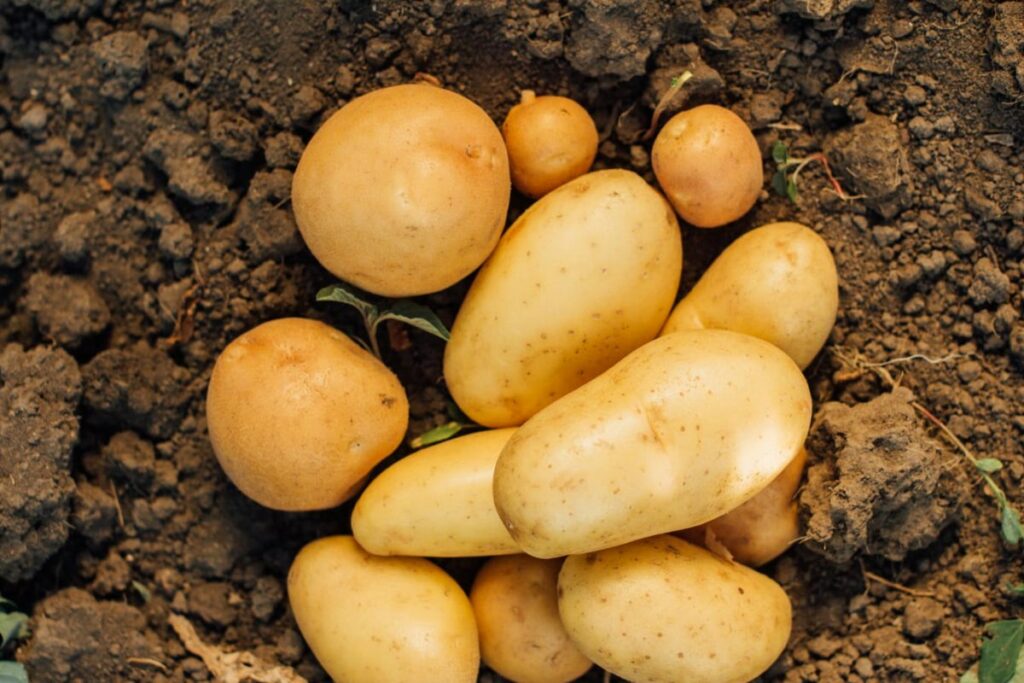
(662,610)
(404,190)
(709,164)
(372,619)
(521,634)
(765,526)
(777,282)
(585,276)
(436,502)
(681,431)
(550,141)
(298,414)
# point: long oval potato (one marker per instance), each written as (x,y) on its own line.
(521,634)
(437,502)
(763,528)
(777,282)
(375,619)
(585,276)
(679,432)
(661,610)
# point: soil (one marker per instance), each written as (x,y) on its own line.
(146,154)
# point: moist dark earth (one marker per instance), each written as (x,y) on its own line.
(146,156)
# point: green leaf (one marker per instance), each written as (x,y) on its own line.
(1000,651)
(13,672)
(1016,591)
(779,183)
(1011,529)
(13,626)
(791,191)
(780,153)
(437,434)
(418,316)
(989,465)
(143,591)
(343,294)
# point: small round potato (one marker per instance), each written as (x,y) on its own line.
(550,140)
(777,282)
(765,526)
(372,619)
(298,414)
(404,190)
(682,430)
(662,610)
(709,164)
(521,634)
(579,280)
(456,478)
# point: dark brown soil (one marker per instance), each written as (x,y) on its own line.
(146,153)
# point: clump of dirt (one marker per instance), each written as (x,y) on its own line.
(878,484)
(39,392)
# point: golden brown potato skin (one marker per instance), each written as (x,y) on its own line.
(550,141)
(709,164)
(298,414)
(521,634)
(404,190)
(777,282)
(763,528)
(661,610)
(372,619)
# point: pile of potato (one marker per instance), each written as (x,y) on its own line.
(637,456)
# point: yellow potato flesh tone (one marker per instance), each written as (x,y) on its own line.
(585,276)
(375,619)
(777,282)
(681,431)
(661,610)
(437,502)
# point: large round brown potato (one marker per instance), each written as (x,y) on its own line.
(298,414)
(404,190)
(708,162)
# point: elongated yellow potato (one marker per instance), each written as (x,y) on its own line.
(521,634)
(777,282)
(661,610)
(375,619)
(679,432)
(763,528)
(437,502)
(585,276)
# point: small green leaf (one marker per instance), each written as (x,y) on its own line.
(780,154)
(418,316)
(999,652)
(437,434)
(791,191)
(779,183)
(1010,528)
(1016,591)
(13,672)
(988,465)
(343,294)
(13,626)
(143,591)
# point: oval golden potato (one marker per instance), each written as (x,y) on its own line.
(585,276)
(765,526)
(679,432)
(709,164)
(521,634)
(662,610)
(403,190)
(299,414)
(437,502)
(372,619)
(777,282)
(550,141)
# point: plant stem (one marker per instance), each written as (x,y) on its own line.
(677,83)
(371,332)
